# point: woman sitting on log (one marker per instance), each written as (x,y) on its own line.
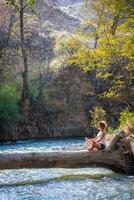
(99,141)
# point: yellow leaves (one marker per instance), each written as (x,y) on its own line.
(104,75)
(110,49)
(73,42)
(72,45)
(128,47)
(108,94)
(113,56)
(120,84)
(130,67)
(81,58)
(100,52)
(67,43)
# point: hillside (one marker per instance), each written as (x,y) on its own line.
(66,68)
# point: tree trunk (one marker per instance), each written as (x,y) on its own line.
(70,159)
(3,46)
(25,101)
(96,41)
(115,24)
(118,159)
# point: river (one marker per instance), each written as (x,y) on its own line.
(61,184)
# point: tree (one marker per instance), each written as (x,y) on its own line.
(111,56)
(7,19)
(20,7)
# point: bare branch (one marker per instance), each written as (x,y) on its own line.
(26,6)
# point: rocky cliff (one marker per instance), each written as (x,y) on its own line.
(63,113)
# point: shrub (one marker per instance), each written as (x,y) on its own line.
(9,109)
(98,114)
(34,91)
(46,96)
(124,117)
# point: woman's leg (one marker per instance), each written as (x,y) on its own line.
(97,146)
(89,143)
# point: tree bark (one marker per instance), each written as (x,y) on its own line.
(25,100)
(96,41)
(70,159)
(115,24)
(3,46)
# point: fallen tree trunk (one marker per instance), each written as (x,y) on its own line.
(118,156)
(70,159)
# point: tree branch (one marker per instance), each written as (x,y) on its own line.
(26,6)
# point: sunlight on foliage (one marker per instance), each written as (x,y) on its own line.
(111,30)
(98,114)
(125,116)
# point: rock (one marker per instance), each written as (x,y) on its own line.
(69,92)
(64,113)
